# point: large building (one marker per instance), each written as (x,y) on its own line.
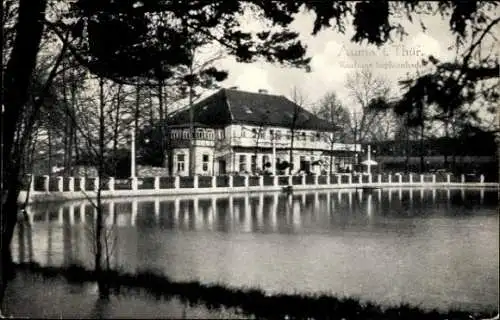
(244,132)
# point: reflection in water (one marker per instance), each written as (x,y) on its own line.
(369,210)
(416,246)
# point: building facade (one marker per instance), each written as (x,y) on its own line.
(244,132)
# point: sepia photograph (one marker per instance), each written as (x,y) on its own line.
(250,159)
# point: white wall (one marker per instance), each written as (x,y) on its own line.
(199,152)
(242,135)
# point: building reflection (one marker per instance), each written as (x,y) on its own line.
(67,236)
(369,204)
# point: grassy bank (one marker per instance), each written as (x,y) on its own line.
(249,301)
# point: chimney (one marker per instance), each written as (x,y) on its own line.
(263,91)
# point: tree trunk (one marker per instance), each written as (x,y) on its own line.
(445,149)
(101,281)
(331,158)
(162,131)
(18,73)
(136,119)
(407,147)
(49,163)
(17,77)
(291,151)
(8,220)
(422,150)
(116,127)
(192,156)
(256,152)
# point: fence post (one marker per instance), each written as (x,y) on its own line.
(96,184)
(339,179)
(195,182)
(303,179)
(290,180)
(82,183)
(421,178)
(157,183)
(275,181)
(433,178)
(214,181)
(316,180)
(448,178)
(177,182)
(134,183)
(261,181)
(370,178)
(230,182)
(328,177)
(379,179)
(60,185)
(400,180)
(410,178)
(349,179)
(462,178)
(360,178)
(71,184)
(246,180)
(389,179)
(46,182)
(111,184)
(481,178)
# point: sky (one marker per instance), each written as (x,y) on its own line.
(334,56)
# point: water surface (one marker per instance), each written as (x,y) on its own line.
(433,248)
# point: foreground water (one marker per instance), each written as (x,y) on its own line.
(433,248)
(29,296)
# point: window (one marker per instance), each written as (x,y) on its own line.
(265,159)
(200,134)
(271,133)
(254,163)
(254,133)
(243,163)
(185,134)
(205,160)
(278,135)
(180,162)
(261,133)
(303,136)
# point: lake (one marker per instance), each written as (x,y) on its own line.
(427,247)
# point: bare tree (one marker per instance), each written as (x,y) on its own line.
(200,75)
(297,97)
(331,109)
(258,134)
(363,87)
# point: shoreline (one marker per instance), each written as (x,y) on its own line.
(252,301)
(58,196)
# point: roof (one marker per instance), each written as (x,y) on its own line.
(230,106)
